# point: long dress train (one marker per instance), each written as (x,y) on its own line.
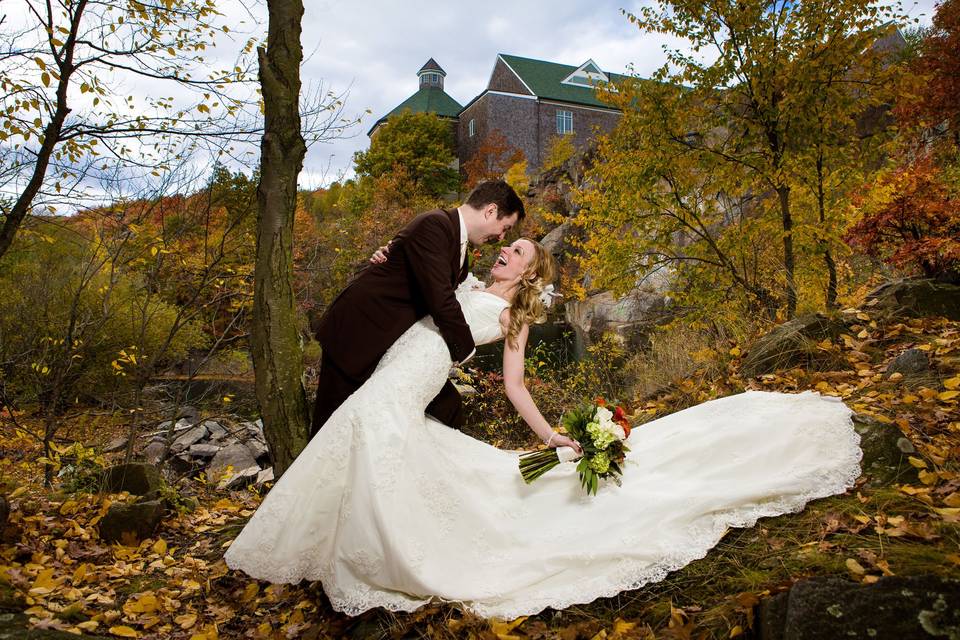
(388,507)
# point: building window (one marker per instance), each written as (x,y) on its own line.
(471,127)
(564,121)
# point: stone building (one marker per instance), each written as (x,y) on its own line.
(530,102)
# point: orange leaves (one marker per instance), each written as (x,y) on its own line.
(908,218)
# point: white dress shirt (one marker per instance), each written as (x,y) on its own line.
(463,237)
(463,256)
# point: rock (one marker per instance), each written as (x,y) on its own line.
(914,366)
(138,478)
(188,438)
(236,457)
(153,452)
(161,433)
(203,450)
(264,476)
(131,522)
(909,362)
(255,429)
(189,413)
(465,390)
(918,298)
(239,479)
(631,317)
(215,430)
(182,464)
(115,445)
(257,448)
(793,344)
(556,242)
(894,608)
(885,452)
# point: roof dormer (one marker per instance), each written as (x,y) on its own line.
(587,75)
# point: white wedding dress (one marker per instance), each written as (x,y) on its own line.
(390,508)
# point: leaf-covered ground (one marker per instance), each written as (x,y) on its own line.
(55,570)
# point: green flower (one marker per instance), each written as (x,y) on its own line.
(601,437)
(600,463)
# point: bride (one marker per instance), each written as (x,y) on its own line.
(387,507)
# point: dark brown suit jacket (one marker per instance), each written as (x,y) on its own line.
(418,279)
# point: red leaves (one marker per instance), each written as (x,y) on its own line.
(909,219)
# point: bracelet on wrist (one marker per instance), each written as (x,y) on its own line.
(550,439)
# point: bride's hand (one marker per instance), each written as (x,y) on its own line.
(560,440)
(380,255)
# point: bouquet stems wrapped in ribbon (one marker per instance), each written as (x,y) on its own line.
(601,434)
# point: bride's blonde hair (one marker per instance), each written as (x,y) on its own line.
(527,306)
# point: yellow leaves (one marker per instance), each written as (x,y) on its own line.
(123,631)
(928,477)
(44,583)
(146,603)
(186,620)
(947,396)
(952,384)
(160,547)
(735,352)
(503,629)
(855,567)
(80,573)
(916,462)
(250,592)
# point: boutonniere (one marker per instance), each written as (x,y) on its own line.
(472,256)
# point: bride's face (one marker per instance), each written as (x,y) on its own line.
(513,261)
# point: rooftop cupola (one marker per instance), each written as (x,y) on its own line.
(431,75)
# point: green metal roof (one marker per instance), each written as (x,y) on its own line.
(544,80)
(429,99)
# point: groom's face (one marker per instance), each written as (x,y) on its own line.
(492,228)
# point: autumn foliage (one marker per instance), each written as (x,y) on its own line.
(910,219)
(492,159)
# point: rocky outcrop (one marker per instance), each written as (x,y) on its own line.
(631,317)
(130,523)
(137,478)
(914,368)
(231,457)
(894,608)
(885,452)
(794,344)
(918,298)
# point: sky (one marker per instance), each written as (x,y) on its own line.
(373,49)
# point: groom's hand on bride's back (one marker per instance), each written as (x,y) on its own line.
(380,255)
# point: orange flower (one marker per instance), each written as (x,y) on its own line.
(600,402)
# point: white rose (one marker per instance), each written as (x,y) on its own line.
(603,415)
(618,431)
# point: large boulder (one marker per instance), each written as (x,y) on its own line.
(918,298)
(235,457)
(894,608)
(128,523)
(631,317)
(138,478)
(793,344)
(885,452)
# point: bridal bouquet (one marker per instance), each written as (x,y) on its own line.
(601,434)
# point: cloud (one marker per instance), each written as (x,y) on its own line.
(376,48)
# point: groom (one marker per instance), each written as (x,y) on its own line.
(425,262)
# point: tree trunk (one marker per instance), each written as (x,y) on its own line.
(277,358)
(827,254)
(783,192)
(51,136)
